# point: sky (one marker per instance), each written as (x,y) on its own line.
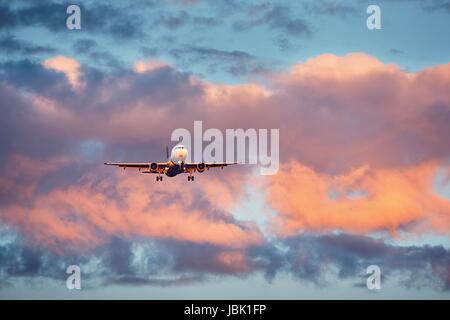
(364,175)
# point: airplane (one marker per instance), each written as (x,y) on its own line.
(175,164)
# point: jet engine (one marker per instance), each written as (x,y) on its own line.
(201,167)
(153,167)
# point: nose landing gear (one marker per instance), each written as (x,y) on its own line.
(190,178)
(159,178)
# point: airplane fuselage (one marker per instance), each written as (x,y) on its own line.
(178,157)
(174,169)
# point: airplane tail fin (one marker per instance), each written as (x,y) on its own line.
(167,152)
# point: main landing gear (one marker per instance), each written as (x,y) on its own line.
(190,178)
(159,178)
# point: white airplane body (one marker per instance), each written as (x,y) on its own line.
(175,165)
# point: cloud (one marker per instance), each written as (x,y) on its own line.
(7,18)
(360,143)
(149,51)
(20,76)
(374,113)
(149,65)
(84,215)
(187,2)
(442,6)
(334,8)
(234,62)
(21,175)
(84,45)
(49,15)
(430,6)
(276,17)
(68,66)
(362,201)
(52,16)
(394,51)
(203,21)
(12,45)
(314,256)
(95,54)
(157,262)
(436,5)
(309,258)
(356,110)
(172,21)
(330,67)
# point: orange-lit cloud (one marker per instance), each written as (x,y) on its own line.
(331,67)
(70,67)
(361,201)
(149,65)
(86,215)
(248,95)
(334,113)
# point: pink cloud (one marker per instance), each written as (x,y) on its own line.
(361,201)
(348,123)
(149,65)
(70,67)
(89,213)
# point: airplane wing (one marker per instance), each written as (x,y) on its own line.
(139,165)
(128,164)
(207,165)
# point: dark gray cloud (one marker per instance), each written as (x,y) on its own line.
(105,19)
(19,260)
(276,17)
(105,58)
(235,62)
(149,51)
(163,86)
(172,21)
(49,15)
(310,258)
(7,17)
(32,76)
(205,21)
(84,45)
(89,48)
(114,21)
(132,262)
(11,45)
(429,6)
(331,8)
(149,281)
(437,5)
(394,51)
(228,7)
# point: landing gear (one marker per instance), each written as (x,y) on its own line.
(190,178)
(159,178)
